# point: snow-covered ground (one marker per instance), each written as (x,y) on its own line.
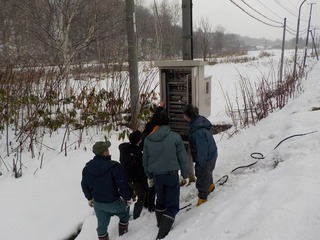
(277,198)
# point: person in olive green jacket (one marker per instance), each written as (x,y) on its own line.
(164,154)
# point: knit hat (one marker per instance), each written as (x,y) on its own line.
(191,111)
(160,118)
(100,147)
(135,137)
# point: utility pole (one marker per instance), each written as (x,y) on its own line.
(297,39)
(314,45)
(306,48)
(314,30)
(282,52)
(187,31)
(133,63)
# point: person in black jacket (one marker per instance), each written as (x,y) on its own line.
(105,186)
(131,160)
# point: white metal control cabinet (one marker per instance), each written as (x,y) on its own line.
(183,82)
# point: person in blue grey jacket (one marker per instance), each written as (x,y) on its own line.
(164,154)
(105,186)
(204,151)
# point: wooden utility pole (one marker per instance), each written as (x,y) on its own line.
(187,31)
(133,63)
(306,48)
(314,45)
(282,52)
(297,39)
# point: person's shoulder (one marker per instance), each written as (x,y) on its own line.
(88,163)
(115,163)
(124,145)
(175,134)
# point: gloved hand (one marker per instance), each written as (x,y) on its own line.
(129,202)
(91,202)
(150,182)
(185,182)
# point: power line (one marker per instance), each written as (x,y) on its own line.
(301,32)
(269,9)
(254,16)
(290,32)
(260,13)
(288,22)
(292,4)
(277,1)
(274,12)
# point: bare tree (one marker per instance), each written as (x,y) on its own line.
(204,37)
(56,23)
(158,29)
(218,39)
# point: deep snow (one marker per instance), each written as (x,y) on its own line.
(277,198)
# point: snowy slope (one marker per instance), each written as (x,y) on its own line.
(277,198)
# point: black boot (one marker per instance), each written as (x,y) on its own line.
(165,226)
(137,210)
(123,228)
(105,237)
(151,199)
(159,214)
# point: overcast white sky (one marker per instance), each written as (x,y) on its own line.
(235,20)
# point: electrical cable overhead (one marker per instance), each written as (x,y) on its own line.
(302,32)
(290,32)
(270,9)
(292,4)
(260,13)
(277,1)
(255,17)
(288,22)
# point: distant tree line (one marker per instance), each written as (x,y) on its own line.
(81,31)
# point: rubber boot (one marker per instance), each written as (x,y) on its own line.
(123,228)
(146,202)
(182,182)
(159,214)
(211,188)
(200,201)
(151,199)
(165,226)
(137,210)
(192,178)
(105,237)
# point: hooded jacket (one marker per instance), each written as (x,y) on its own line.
(104,180)
(202,144)
(131,160)
(163,152)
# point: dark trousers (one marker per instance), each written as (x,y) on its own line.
(139,190)
(204,178)
(168,193)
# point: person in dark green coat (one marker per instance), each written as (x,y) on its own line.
(164,155)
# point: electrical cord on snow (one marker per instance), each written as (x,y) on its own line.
(259,156)
(296,135)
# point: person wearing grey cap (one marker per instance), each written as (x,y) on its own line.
(204,151)
(105,186)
